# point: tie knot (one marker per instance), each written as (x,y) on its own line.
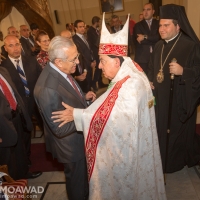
(17,61)
(69,76)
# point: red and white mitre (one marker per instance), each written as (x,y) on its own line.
(116,43)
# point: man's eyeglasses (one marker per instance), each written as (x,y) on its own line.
(74,60)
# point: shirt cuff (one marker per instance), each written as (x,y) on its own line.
(77,114)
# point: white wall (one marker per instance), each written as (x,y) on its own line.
(70,10)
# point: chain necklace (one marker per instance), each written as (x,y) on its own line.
(160,75)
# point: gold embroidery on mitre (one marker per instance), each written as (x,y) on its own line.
(150,103)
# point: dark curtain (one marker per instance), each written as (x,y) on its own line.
(157,4)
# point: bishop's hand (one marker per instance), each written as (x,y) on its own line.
(63,116)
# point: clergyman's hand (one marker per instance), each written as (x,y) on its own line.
(63,116)
(0,140)
(91,96)
(175,68)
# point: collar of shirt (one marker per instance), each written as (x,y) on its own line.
(14,62)
(79,35)
(24,37)
(60,72)
(149,21)
(9,87)
(171,38)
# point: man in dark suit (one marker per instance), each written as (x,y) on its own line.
(93,36)
(54,86)
(23,68)
(84,49)
(145,36)
(14,119)
(27,44)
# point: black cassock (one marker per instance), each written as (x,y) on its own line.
(184,143)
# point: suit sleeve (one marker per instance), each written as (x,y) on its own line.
(49,102)
(8,134)
(151,38)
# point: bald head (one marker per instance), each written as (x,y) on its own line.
(12,46)
(66,34)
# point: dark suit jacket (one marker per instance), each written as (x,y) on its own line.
(26,47)
(87,56)
(142,50)
(93,40)
(84,51)
(82,84)
(12,149)
(32,71)
(65,143)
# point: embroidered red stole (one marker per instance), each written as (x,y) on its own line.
(98,123)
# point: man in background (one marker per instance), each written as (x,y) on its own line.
(145,36)
(34,30)
(27,44)
(85,50)
(175,78)
(93,35)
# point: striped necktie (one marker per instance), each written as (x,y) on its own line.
(23,78)
(149,24)
(85,41)
(8,94)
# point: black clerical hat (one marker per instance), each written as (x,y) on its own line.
(173,11)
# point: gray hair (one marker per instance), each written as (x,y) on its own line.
(57,48)
(8,30)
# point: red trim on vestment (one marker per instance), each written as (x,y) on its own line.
(113,49)
(98,123)
(138,66)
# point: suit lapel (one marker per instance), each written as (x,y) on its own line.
(145,26)
(6,76)
(26,67)
(12,70)
(80,41)
(67,85)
